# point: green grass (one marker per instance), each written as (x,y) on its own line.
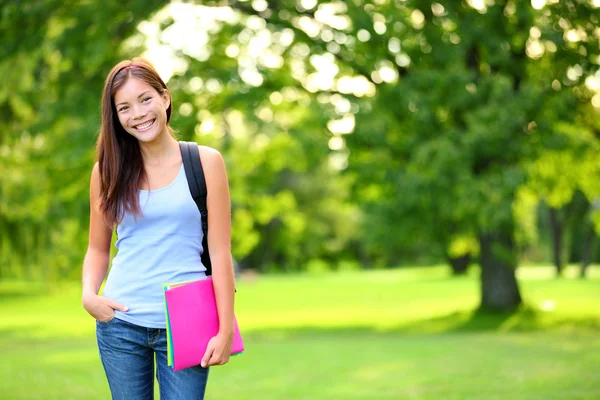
(399,334)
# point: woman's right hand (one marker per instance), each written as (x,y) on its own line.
(101,308)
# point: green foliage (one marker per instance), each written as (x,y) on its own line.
(55,55)
(385,132)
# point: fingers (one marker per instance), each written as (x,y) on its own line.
(215,359)
(207,356)
(105,319)
(217,353)
(116,306)
(101,308)
(223,360)
(218,358)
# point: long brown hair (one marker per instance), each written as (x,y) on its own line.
(118,153)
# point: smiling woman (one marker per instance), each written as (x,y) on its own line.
(138,188)
(147,107)
(138,96)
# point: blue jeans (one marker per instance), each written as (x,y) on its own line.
(127,352)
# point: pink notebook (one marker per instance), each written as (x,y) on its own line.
(192,320)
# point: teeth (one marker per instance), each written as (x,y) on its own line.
(144,126)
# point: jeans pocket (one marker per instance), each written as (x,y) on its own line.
(107,322)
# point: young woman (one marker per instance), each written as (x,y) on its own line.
(139,187)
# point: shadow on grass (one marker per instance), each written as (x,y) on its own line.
(8,297)
(456,323)
(522,320)
(11,291)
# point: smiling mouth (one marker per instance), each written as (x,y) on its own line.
(145,126)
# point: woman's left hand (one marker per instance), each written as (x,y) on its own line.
(218,350)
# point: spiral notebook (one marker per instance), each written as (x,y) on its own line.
(192,320)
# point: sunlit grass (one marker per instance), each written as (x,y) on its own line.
(410,333)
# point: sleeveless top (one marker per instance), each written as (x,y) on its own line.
(162,246)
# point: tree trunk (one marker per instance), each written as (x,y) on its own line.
(557,236)
(460,264)
(588,245)
(499,287)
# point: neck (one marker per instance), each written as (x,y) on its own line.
(161,150)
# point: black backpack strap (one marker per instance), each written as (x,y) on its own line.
(197,184)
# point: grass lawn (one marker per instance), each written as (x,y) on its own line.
(397,334)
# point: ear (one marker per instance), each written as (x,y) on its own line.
(166,98)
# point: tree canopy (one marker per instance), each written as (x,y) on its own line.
(372,133)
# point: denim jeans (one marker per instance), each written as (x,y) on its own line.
(128,351)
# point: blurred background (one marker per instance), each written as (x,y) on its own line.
(414,185)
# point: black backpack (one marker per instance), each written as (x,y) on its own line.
(197,185)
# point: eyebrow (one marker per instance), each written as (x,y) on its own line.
(124,102)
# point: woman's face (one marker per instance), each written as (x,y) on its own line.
(142,111)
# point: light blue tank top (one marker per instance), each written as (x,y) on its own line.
(162,246)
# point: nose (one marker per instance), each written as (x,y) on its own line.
(138,112)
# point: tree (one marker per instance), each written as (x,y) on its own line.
(54,58)
(450,102)
(423,123)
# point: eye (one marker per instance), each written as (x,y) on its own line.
(123,108)
(145,99)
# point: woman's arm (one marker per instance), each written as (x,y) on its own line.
(219,244)
(97,258)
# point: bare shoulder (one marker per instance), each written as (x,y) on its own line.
(95,179)
(211,158)
(95,183)
(208,152)
(214,167)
